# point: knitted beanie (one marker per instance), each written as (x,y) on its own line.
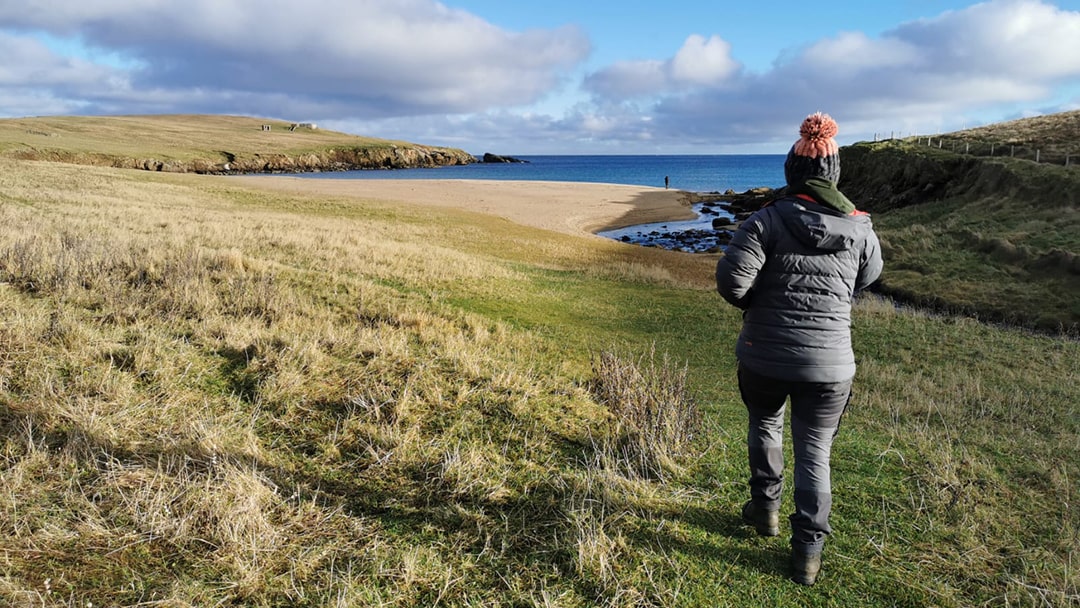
(816,153)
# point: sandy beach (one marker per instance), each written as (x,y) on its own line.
(567,207)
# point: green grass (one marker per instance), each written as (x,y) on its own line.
(997,238)
(212,395)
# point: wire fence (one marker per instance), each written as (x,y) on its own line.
(1066,155)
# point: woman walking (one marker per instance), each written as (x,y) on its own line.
(793,268)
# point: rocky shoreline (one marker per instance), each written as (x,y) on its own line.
(727,211)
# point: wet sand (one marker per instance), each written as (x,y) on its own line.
(567,207)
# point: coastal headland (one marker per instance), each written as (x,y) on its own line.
(224,145)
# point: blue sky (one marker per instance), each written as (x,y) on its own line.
(552,77)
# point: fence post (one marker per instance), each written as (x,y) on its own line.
(1037,155)
(991,149)
(967,148)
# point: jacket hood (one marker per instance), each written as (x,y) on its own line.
(821,227)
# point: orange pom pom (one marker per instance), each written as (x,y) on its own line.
(817,133)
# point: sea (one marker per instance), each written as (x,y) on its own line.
(693,173)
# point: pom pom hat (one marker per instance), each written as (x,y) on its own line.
(815,154)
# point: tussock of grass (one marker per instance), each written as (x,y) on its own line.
(656,417)
(210,395)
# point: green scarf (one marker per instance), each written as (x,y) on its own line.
(824,192)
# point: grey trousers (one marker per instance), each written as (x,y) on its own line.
(816,408)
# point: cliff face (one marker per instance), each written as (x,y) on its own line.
(330,159)
(994,237)
(885,176)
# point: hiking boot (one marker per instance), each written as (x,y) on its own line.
(805,567)
(767,523)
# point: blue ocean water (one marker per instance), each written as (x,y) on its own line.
(693,173)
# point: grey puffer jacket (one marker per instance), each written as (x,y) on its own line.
(793,267)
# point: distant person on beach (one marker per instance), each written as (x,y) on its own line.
(793,268)
(667,182)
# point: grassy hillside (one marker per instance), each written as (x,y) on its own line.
(996,237)
(207,144)
(215,396)
(1052,138)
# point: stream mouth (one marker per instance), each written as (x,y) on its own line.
(709,233)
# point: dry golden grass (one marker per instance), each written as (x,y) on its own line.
(1057,132)
(181,137)
(214,395)
(184,368)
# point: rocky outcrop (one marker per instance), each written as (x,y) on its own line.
(739,206)
(495,158)
(330,159)
(689,241)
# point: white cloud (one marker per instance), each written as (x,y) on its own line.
(1027,40)
(990,53)
(700,62)
(380,57)
(28,63)
(703,62)
(421,70)
(629,79)
(851,53)
(922,74)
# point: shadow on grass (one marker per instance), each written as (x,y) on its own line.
(743,546)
